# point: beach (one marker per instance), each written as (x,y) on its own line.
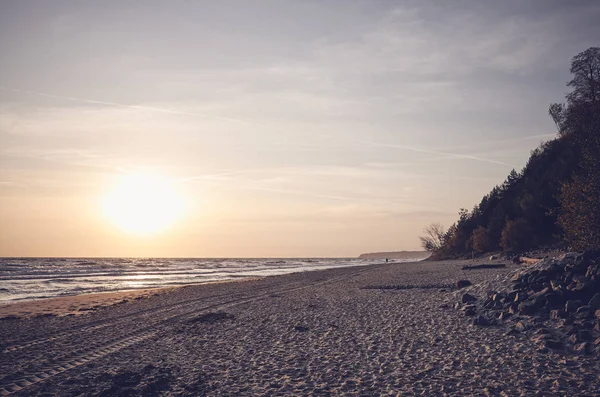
(385,329)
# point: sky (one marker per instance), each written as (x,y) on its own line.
(287,128)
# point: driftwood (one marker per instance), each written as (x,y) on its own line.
(486,266)
(529,261)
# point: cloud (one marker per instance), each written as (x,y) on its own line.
(428,151)
(121,105)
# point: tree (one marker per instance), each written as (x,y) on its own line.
(434,238)
(557,112)
(580,197)
(516,235)
(585,68)
(481,241)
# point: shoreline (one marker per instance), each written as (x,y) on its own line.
(383,329)
(21,288)
(80,304)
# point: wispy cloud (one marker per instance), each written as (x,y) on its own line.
(435,152)
(122,105)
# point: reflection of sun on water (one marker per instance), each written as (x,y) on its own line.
(143,204)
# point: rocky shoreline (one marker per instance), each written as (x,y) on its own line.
(555,302)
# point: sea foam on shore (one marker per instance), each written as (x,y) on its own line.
(38,278)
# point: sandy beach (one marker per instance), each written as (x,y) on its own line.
(375,330)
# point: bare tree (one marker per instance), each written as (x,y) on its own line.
(434,237)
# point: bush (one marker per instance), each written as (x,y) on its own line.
(516,236)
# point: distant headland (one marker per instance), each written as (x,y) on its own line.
(396,255)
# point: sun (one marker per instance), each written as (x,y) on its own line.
(143,204)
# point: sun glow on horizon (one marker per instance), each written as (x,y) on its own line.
(143,204)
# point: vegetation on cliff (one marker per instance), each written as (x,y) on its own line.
(555,199)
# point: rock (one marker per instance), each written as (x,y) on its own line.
(584,335)
(521,296)
(526,308)
(556,285)
(567,258)
(460,284)
(584,287)
(520,286)
(522,326)
(588,324)
(556,314)
(482,321)
(513,332)
(583,348)
(493,257)
(583,312)
(554,300)
(494,305)
(467,298)
(573,339)
(470,312)
(499,297)
(504,315)
(594,303)
(301,328)
(572,306)
(553,344)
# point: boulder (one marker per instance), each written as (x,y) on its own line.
(594,303)
(583,312)
(553,344)
(572,306)
(470,312)
(467,298)
(460,284)
(554,300)
(520,297)
(527,308)
(584,335)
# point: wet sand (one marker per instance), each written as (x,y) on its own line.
(76,305)
(370,330)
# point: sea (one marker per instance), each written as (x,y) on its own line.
(39,278)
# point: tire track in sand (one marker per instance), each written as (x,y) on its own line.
(46,370)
